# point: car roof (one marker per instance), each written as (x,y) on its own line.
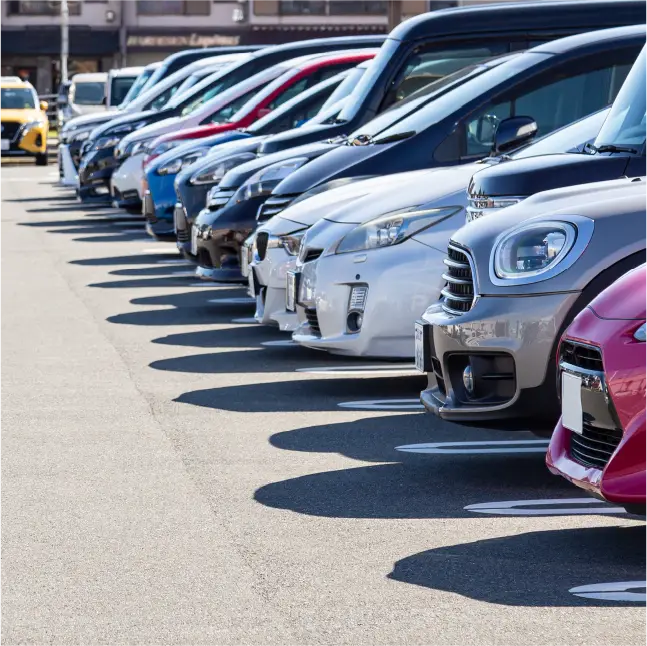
(15,84)
(127,71)
(517,16)
(360,41)
(563,45)
(314,60)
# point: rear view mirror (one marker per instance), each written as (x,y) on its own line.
(512,133)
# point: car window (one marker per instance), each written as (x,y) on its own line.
(17,98)
(558,98)
(88,93)
(119,89)
(225,113)
(289,93)
(163,97)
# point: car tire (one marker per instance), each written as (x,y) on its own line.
(42,159)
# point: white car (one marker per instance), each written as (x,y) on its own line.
(272,250)
(126,185)
(362,286)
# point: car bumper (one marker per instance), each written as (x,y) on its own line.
(25,143)
(95,173)
(163,195)
(66,168)
(399,289)
(510,345)
(126,182)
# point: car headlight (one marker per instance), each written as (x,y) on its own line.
(213,174)
(288,242)
(164,147)
(33,124)
(266,180)
(125,128)
(537,250)
(480,205)
(641,333)
(176,165)
(392,228)
(106,142)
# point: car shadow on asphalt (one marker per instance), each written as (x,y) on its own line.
(157,270)
(533,568)
(304,395)
(49,199)
(125,236)
(86,223)
(405,485)
(231,337)
(74,208)
(135,259)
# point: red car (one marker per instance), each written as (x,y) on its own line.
(599,442)
(301,74)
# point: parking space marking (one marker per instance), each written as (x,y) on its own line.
(387,369)
(617,591)
(207,283)
(237,300)
(280,343)
(384,404)
(183,273)
(174,261)
(245,319)
(489,446)
(545,507)
(160,251)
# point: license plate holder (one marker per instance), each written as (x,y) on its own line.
(572,402)
(149,209)
(422,346)
(292,290)
(179,221)
(5,144)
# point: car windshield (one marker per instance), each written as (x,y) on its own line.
(625,125)
(137,86)
(412,104)
(88,93)
(422,67)
(119,88)
(346,86)
(570,138)
(262,91)
(194,78)
(17,98)
(442,104)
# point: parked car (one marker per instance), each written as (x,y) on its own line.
(322,101)
(450,122)
(515,281)
(238,108)
(599,441)
(138,86)
(98,151)
(389,231)
(23,121)
(119,83)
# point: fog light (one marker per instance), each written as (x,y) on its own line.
(468,380)
(354,321)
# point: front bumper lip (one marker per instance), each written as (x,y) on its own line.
(525,329)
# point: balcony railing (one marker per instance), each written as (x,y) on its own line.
(320,7)
(42,7)
(173,7)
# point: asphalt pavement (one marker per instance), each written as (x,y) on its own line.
(170,477)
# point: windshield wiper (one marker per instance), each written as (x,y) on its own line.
(609,148)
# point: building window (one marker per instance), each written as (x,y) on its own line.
(320,7)
(42,8)
(173,7)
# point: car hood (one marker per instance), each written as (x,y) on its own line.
(90,120)
(625,299)
(153,130)
(305,134)
(122,120)
(616,208)
(340,161)
(237,176)
(21,116)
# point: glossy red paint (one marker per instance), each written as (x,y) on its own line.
(262,108)
(609,323)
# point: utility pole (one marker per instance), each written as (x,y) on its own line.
(395,13)
(65,38)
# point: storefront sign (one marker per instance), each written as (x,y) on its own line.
(173,41)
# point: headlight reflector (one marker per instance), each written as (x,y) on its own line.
(214,174)
(289,242)
(392,228)
(266,180)
(534,249)
(176,165)
(106,142)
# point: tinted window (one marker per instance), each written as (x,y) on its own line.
(163,97)
(556,99)
(88,93)
(422,66)
(17,99)
(228,111)
(119,89)
(346,86)
(136,87)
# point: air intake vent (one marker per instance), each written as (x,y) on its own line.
(458,294)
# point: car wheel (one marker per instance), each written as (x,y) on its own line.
(42,159)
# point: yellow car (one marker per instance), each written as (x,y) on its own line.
(23,122)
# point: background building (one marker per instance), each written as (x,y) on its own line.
(109,33)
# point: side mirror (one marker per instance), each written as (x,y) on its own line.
(44,105)
(263,112)
(512,133)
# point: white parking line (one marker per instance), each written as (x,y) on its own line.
(174,261)
(494,446)
(206,283)
(545,507)
(186,274)
(159,251)
(618,591)
(280,343)
(240,300)
(387,369)
(384,404)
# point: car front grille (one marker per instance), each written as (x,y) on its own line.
(10,129)
(458,293)
(262,238)
(313,321)
(219,199)
(274,205)
(581,356)
(595,446)
(183,235)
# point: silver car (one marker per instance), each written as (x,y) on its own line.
(514,281)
